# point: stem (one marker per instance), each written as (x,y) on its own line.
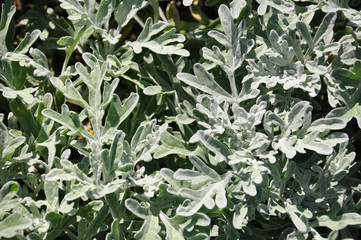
(2,178)
(70,234)
(141,23)
(288,98)
(236,176)
(66,61)
(162,16)
(69,51)
(232,83)
(99,145)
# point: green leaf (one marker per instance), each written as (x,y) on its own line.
(179,227)
(227,22)
(203,196)
(220,149)
(76,191)
(323,124)
(68,119)
(13,75)
(114,156)
(172,145)
(51,191)
(96,76)
(13,225)
(282,6)
(4,137)
(346,78)
(167,43)
(7,12)
(50,144)
(305,33)
(41,67)
(115,232)
(8,191)
(69,91)
(326,26)
(152,90)
(27,42)
(203,168)
(296,117)
(357,68)
(97,224)
(301,223)
(72,4)
(136,208)
(11,147)
(65,41)
(249,188)
(104,12)
(67,173)
(173,231)
(150,227)
(119,66)
(117,113)
(108,92)
(204,81)
(25,117)
(127,9)
(347,114)
(56,221)
(25,94)
(339,222)
(236,7)
(312,142)
(239,216)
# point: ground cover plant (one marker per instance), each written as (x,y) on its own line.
(190,119)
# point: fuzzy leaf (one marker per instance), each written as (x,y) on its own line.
(167,43)
(13,225)
(339,222)
(326,26)
(27,42)
(4,136)
(117,113)
(68,119)
(127,9)
(7,12)
(204,81)
(236,7)
(204,197)
(150,227)
(222,151)
(69,91)
(172,145)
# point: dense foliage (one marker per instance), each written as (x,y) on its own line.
(216,119)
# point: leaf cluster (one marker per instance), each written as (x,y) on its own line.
(139,119)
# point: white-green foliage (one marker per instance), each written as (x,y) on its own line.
(141,138)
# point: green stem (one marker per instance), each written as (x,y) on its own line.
(96,129)
(139,21)
(288,99)
(70,234)
(66,61)
(232,83)
(162,15)
(69,51)
(2,178)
